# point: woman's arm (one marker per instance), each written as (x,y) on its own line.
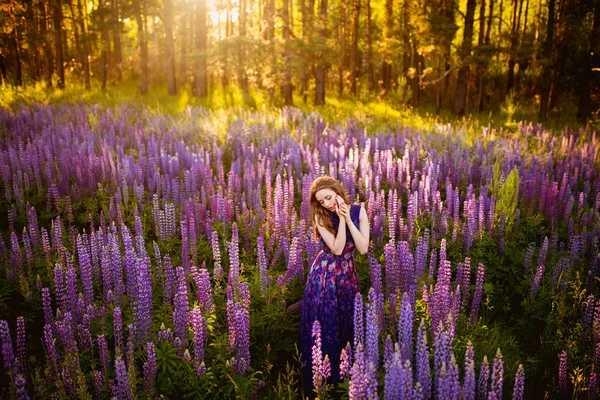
(361,237)
(335,243)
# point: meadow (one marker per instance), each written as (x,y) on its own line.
(150,253)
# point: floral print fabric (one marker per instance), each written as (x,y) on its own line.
(329,294)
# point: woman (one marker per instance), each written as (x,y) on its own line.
(332,282)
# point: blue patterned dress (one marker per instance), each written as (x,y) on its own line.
(329,294)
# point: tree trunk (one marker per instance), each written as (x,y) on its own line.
(104,43)
(201,73)
(3,73)
(480,63)
(320,70)
(17,45)
(48,59)
(31,35)
(592,59)
(287,85)
(116,33)
(488,30)
(58,42)
(306,23)
(560,56)
(170,48)
(83,46)
(354,50)
(548,53)
(370,69)
(524,61)
(463,73)
(141,23)
(416,90)
(514,40)
(500,29)
(386,68)
(343,56)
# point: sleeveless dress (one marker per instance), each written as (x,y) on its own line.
(329,294)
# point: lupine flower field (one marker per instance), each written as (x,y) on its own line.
(149,256)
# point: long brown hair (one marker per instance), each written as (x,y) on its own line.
(316,209)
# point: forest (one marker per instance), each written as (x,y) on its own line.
(465,57)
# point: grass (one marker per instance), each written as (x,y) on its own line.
(372,113)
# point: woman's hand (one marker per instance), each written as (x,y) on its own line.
(342,209)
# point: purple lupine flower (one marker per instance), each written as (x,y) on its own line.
(170,281)
(165,334)
(359,332)
(83,333)
(468,390)
(50,347)
(86,271)
(34,232)
(142,314)
(441,357)
(405,327)
(588,316)
(103,356)
(465,281)
(7,348)
(262,261)
(317,358)
(478,294)
(72,296)
(218,269)
(484,377)
(562,374)
(432,265)
(388,352)
(181,309)
(47,306)
(519,388)
(21,387)
(528,257)
(204,293)
(358,375)
(543,252)
(242,340)
(346,362)
(597,357)
(130,265)
(27,247)
(593,386)
(393,379)
(117,266)
(452,376)
(200,335)
(537,281)
(376,282)
(187,357)
(406,387)
(21,355)
(46,245)
(185,257)
(392,277)
(441,297)
(118,329)
(497,377)
(372,330)
(122,380)
(423,373)
(16,256)
(98,385)
(150,370)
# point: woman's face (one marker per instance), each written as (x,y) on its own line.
(326,197)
